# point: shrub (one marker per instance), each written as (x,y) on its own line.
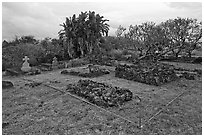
(12,56)
(116,54)
(77,62)
(126,52)
(50,51)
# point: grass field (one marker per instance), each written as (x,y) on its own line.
(43,110)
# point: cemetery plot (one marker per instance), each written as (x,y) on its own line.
(87,71)
(32,108)
(41,110)
(149,73)
(99,93)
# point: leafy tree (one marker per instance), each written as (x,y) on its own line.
(52,47)
(4,43)
(22,40)
(68,35)
(28,39)
(120,32)
(146,38)
(175,35)
(82,34)
(193,40)
(184,34)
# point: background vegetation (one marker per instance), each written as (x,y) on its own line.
(87,34)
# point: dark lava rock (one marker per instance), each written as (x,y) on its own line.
(100,94)
(189,76)
(5,125)
(93,72)
(12,72)
(149,73)
(7,84)
(198,60)
(199,71)
(34,71)
(33,84)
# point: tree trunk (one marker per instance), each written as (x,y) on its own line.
(140,54)
(81,46)
(158,56)
(82,51)
(91,48)
(66,54)
(177,54)
(173,52)
(189,54)
(69,48)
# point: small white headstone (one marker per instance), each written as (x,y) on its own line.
(26,67)
(54,63)
(65,64)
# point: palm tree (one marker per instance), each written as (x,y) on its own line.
(68,34)
(83,32)
(97,29)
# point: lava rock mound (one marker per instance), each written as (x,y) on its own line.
(148,73)
(100,94)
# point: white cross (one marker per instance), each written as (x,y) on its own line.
(25,59)
(55,59)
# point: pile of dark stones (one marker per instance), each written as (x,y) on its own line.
(189,74)
(101,60)
(93,72)
(7,84)
(147,72)
(100,94)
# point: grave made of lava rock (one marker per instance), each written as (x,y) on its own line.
(87,71)
(147,72)
(100,94)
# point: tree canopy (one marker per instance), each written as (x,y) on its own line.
(82,34)
(175,36)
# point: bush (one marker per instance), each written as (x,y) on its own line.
(77,62)
(50,51)
(116,54)
(12,56)
(101,59)
(126,52)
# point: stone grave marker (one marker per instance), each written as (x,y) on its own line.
(26,67)
(54,63)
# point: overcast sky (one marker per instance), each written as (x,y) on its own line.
(42,19)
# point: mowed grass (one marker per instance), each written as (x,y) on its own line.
(42,110)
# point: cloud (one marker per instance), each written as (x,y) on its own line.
(28,19)
(42,19)
(186,5)
(187,9)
